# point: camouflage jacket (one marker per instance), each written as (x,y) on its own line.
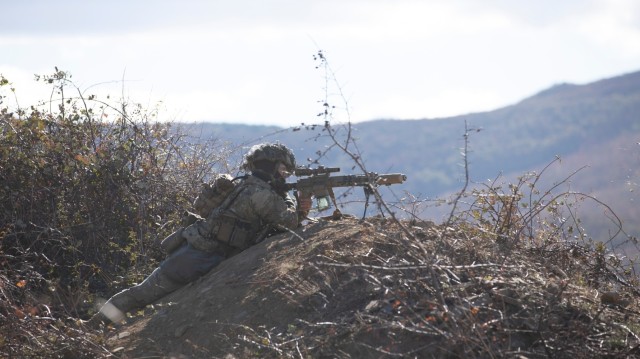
(243,219)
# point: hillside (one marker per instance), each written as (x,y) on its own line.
(593,124)
(363,289)
(559,121)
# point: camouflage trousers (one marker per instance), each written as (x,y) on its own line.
(183,266)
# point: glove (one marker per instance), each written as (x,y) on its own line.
(304,205)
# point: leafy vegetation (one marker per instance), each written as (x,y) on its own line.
(83,201)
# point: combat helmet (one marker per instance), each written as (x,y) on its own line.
(274,152)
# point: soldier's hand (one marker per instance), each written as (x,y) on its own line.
(304,204)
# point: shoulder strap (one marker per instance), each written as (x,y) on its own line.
(230,198)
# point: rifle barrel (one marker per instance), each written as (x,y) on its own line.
(391,178)
(322,183)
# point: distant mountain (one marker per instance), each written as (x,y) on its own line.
(596,124)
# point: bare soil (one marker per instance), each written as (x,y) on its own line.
(353,289)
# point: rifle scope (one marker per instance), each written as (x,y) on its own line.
(321,170)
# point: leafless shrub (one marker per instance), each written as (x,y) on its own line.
(510,273)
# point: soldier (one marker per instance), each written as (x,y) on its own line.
(258,204)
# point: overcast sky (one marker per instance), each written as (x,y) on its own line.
(251,61)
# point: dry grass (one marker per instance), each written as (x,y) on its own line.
(351,289)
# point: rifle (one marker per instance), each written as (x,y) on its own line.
(319,183)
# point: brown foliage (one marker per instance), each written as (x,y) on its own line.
(82,202)
(355,289)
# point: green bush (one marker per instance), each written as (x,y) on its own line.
(83,201)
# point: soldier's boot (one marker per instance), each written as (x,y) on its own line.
(154,287)
(96,322)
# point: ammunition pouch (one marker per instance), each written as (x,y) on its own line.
(200,236)
(236,233)
(189,218)
(220,234)
(173,241)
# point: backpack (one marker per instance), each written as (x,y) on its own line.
(211,196)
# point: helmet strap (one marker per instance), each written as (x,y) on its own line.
(267,177)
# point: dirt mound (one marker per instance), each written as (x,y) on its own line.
(371,288)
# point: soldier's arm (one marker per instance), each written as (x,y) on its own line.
(275,210)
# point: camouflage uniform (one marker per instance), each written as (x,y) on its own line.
(253,208)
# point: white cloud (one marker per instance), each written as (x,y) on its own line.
(250,61)
(614,25)
(448,102)
(27,91)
